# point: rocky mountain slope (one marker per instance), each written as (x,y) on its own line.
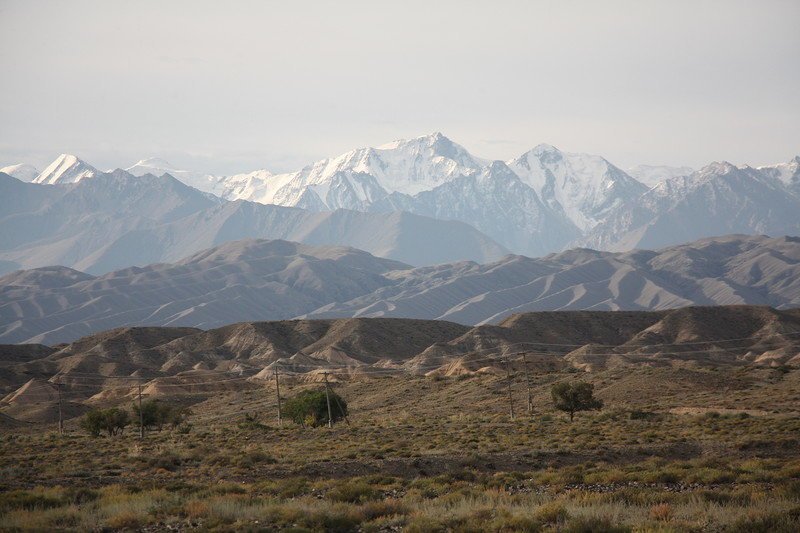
(117,220)
(270,280)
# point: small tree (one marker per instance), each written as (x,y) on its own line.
(575,397)
(157,414)
(112,420)
(93,422)
(310,408)
(116,420)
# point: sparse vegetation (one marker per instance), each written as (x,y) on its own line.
(670,451)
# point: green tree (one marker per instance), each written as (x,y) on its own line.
(93,422)
(157,414)
(571,398)
(113,420)
(310,408)
(116,420)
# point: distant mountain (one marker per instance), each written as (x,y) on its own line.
(268,280)
(22,172)
(159,167)
(546,200)
(497,202)
(716,200)
(429,175)
(242,280)
(652,175)
(66,169)
(718,271)
(405,166)
(116,220)
(583,187)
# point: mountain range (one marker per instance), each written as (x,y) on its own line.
(253,280)
(543,201)
(117,220)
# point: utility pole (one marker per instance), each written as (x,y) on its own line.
(141,414)
(60,410)
(528,384)
(510,397)
(328,398)
(278,392)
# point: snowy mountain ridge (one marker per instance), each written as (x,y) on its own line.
(66,169)
(542,201)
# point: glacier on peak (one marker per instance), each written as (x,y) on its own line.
(66,168)
(582,186)
(21,171)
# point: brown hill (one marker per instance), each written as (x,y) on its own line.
(187,361)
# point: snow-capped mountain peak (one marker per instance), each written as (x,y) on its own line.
(582,186)
(21,171)
(66,168)
(542,149)
(787,173)
(408,166)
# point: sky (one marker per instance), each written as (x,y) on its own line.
(233,86)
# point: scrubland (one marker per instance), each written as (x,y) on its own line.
(685,449)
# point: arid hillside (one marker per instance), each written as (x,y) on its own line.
(108,367)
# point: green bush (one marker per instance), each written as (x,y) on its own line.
(310,408)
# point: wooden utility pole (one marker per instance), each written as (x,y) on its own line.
(141,414)
(278,392)
(328,398)
(510,396)
(528,384)
(60,410)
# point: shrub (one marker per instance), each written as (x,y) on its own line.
(353,492)
(311,408)
(551,513)
(661,511)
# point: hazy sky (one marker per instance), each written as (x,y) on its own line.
(233,86)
